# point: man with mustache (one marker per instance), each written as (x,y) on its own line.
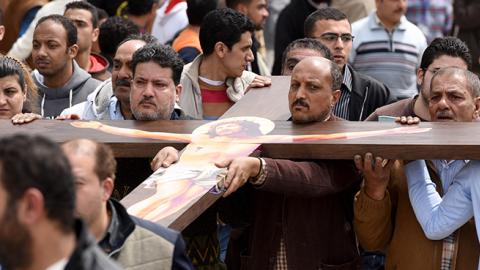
(384,218)
(388,48)
(111,100)
(441,53)
(360,94)
(301,208)
(155,89)
(37,204)
(60,80)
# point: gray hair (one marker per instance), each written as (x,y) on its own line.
(473,83)
(337,76)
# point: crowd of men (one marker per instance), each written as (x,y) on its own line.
(150,60)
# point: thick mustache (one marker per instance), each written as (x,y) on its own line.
(444,114)
(147,101)
(123,82)
(300,102)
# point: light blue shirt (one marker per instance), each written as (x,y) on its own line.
(441,217)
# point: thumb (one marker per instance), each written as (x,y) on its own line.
(223,163)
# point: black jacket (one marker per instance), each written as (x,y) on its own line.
(289,28)
(367,95)
(87,255)
(466,13)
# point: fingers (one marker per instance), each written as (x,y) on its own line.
(223,163)
(364,165)
(236,177)
(260,81)
(358,162)
(24,118)
(68,117)
(407,120)
(164,158)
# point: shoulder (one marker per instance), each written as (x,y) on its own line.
(394,109)
(361,25)
(366,80)
(166,233)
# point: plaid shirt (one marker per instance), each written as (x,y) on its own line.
(433,17)
(449,251)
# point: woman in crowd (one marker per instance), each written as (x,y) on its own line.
(18,93)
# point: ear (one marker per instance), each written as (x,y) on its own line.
(95,34)
(2,31)
(178,92)
(31,207)
(335,97)
(107,186)
(242,8)
(220,49)
(420,76)
(72,51)
(25,94)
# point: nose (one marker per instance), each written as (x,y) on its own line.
(250,56)
(148,91)
(265,13)
(3,99)
(301,93)
(41,51)
(125,73)
(339,43)
(443,104)
(402,4)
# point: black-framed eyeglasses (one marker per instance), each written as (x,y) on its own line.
(331,37)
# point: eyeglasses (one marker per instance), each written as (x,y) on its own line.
(331,37)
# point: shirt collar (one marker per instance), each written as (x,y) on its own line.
(119,228)
(377,24)
(347,79)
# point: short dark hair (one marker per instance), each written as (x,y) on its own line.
(471,79)
(85,6)
(102,14)
(450,46)
(307,43)
(144,37)
(322,14)
(139,7)
(198,9)
(43,167)
(223,25)
(67,25)
(233,3)
(337,76)
(113,31)
(162,55)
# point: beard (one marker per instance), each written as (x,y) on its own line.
(16,242)
(304,119)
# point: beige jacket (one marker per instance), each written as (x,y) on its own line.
(191,98)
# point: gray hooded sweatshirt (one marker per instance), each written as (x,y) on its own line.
(54,100)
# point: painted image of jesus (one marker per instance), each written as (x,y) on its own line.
(161,197)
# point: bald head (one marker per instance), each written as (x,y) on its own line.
(314,89)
